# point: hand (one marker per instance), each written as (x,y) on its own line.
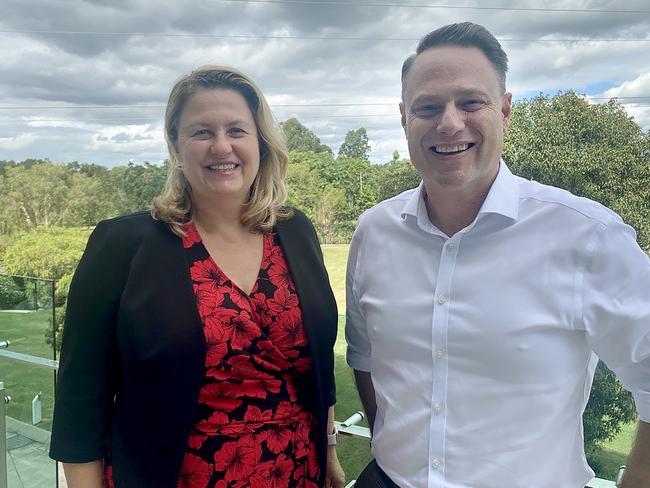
(335,477)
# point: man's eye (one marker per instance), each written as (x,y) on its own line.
(426,111)
(472,105)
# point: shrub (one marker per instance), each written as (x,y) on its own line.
(46,253)
(12,293)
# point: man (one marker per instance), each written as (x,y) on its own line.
(477,300)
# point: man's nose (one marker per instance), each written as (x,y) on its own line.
(451,121)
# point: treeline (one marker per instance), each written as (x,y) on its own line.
(593,150)
(38,194)
(332,190)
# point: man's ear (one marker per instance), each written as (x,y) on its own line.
(506,110)
(402,111)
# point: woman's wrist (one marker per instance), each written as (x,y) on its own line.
(332,436)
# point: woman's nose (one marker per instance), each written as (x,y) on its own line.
(221,145)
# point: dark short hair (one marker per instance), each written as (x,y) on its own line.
(465,34)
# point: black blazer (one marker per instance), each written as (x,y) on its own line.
(132,361)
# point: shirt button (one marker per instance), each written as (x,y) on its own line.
(451,246)
(441,299)
(440,354)
(435,464)
(438,409)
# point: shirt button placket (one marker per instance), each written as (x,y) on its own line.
(448,254)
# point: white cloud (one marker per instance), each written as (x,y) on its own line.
(16,142)
(641,114)
(638,87)
(382,150)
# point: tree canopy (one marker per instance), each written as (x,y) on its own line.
(40,193)
(355,145)
(300,138)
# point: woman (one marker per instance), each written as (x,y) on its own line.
(198,345)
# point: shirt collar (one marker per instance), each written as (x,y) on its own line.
(502,199)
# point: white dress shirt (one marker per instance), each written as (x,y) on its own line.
(481,345)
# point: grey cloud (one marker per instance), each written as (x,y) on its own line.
(140,70)
(121,137)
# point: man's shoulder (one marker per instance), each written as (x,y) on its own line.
(561,200)
(391,207)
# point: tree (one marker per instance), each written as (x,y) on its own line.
(90,199)
(45,253)
(327,216)
(355,145)
(6,163)
(300,138)
(610,407)
(304,186)
(395,177)
(136,185)
(34,195)
(311,180)
(356,178)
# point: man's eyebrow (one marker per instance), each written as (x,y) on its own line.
(468,92)
(426,98)
(472,92)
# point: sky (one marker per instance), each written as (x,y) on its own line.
(88,81)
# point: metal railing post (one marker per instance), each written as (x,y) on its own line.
(3,436)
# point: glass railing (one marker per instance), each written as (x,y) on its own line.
(27,374)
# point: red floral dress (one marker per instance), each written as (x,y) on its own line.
(252,427)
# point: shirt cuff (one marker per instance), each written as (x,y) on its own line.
(358,361)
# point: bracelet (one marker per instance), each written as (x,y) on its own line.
(333,439)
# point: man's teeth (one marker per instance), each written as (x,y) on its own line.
(222,167)
(450,149)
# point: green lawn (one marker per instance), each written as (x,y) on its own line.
(354,454)
(336,256)
(614,453)
(27,333)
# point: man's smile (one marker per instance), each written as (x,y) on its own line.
(451,149)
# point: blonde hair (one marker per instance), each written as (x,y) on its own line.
(268,193)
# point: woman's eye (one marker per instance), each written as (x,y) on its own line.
(237,131)
(201,133)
